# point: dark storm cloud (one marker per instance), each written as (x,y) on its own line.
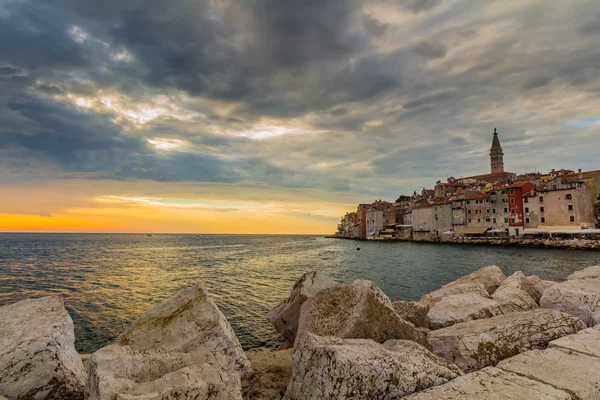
(538,82)
(33,35)
(430,99)
(371,77)
(429,49)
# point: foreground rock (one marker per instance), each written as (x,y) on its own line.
(358,311)
(37,351)
(127,373)
(586,341)
(189,321)
(333,368)
(431,299)
(587,273)
(491,384)
(490,277)
(285,316)
(412,311)
(578,297)
(516,293)
(538,286)
(472,303)
(476,344)
(564,370)
(272,371)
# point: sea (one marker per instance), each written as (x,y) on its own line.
(107,280)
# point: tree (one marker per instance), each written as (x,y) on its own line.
(402,197)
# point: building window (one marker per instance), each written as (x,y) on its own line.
(487,211)
(526,220)
(512,201)
(513,211)
(504,200)
(512,191)
(570,207)
(569,197)
(435,208)
(494,220)
(478,219)
(526,209)
(505,209)
(541,209)
(493,211)
(572,218)
(487,200)
(525,200)
(514,220)
(541,199)
(468,211)
(469,220)
(543,220)
(468,201)
(487,220)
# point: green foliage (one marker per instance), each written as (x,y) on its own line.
(402,197)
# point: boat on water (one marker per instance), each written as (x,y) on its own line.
(149,234)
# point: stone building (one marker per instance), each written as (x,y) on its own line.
(421,217)
(567,204)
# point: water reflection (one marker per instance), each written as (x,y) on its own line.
(109,280)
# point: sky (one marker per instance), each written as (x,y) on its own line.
(278,116)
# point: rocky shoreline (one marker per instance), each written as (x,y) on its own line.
(484,335)
(571,244)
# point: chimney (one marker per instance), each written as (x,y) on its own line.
(580,174)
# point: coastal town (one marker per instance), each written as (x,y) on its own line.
(493,206)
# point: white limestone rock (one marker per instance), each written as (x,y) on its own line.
(463,307)
(586,341)
(334,368)
(37,351)
(127,373)
(476,344)
(516,293)
(578,297)
(412,311)
(431,299)
(285,316)
(592,272)
(491,384)
(538,286)
(189,321)
(357,311)
(491,277)
(564,370)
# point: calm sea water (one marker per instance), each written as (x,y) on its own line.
(109,280)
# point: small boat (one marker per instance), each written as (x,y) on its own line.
(149,234)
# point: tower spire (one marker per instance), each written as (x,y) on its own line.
(496,155)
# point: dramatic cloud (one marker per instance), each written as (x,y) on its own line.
(353,99)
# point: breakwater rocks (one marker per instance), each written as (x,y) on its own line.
(484,335)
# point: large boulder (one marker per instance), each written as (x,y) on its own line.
(592,272)
(127,373)
(490,277)
(189,321)
(586,341)
(516,293)
(334,368)
(570,371)
(272,371)
(474,303)
(432,298)
(578,297)
(412,311)
(37,351)
(476,344)
(491,384)
(285,316)
(357,311)
(538,286)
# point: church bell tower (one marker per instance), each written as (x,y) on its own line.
(496,155)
